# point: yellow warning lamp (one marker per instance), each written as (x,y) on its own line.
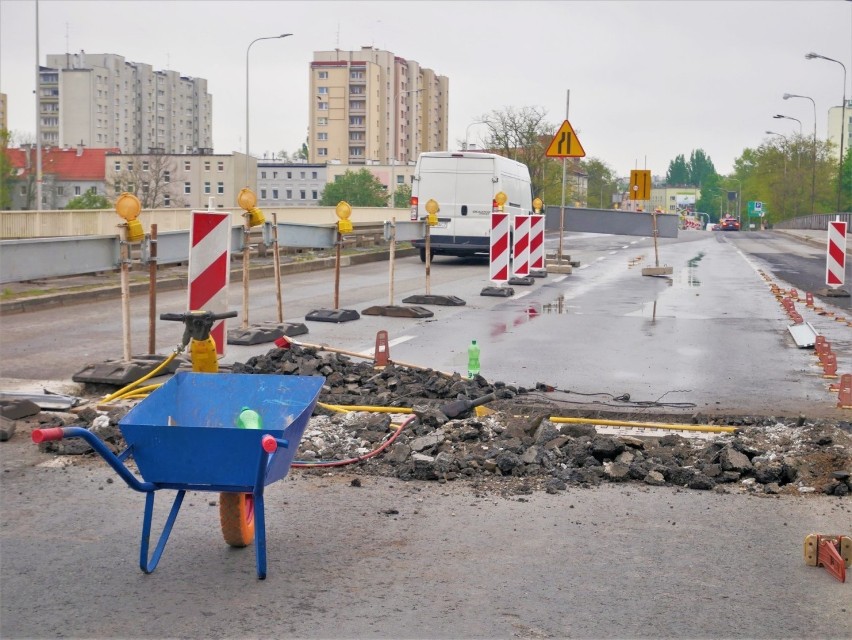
(248,201)
(343,211)
(432,209)
(500,199)
(128,207)
(537,205)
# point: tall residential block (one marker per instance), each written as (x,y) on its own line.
(102,100)
(835,122)
(373,107)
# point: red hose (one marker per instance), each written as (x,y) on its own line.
(339,463)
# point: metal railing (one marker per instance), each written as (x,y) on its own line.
(817,221)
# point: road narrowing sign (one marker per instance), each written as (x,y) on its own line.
(640,184)
(565,144)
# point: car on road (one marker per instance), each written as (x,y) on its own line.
(730,224)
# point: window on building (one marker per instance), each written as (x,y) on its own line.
(92,190)
(145,165)
(302,175)
(76,191)
(167,176)
(220,166)
(314,175)
(289,175)
(322,90)
(322,135)
(130,165)
(220,188)
(207,165)
(357,104)
(301,194)
(322,75)
(263,175)
(23,190)
(322,106)
(167,200)
(263,194)
(187,188)
(356,151)
(206,187)
(146,187)
(274,174)
(322,121)
(187,165)
(400,179)
(60,191)
(289,194)
(322,151)
(118,189)
(314,195)
(275,194)
(118,165)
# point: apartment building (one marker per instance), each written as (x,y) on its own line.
(198,181)
(835,120)
(103,100)
(66,174)
(287,184)
(372,106)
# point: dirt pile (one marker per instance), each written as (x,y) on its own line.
(513,446)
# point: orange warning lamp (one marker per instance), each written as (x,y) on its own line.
(432,209)
(343,210)
(128,207)
(248,202)
(537,205)
(500,200)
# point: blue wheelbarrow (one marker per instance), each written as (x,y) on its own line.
(184,436)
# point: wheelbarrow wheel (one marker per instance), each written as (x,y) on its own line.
(236,515)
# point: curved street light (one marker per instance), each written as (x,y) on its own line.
(798,156)
(283,35)
(787,96)
(811,56)
(468,129)
(783,196)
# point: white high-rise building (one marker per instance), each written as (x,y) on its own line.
(101,100)
(835,118)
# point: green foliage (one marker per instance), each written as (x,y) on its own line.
(7,171)
(602,183)
(358,188)
(700,168)
(846,182)
(402,196)
(89,200)
(678,173)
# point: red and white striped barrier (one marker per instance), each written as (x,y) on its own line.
(521,246)
(537,242)
(209,267)
(835,262)
(499,266)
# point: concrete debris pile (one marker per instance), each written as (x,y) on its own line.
(514,447)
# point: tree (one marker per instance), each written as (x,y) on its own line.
(358,188)
(700,168)
(91,199)
(146,176)
(7,171)
(402,196)
(602,183)
(523,135)
(678,173)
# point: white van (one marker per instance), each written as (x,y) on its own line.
(464,184)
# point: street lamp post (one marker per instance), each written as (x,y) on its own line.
(811,56)
(468,129)
(283,35)
(787,96)
(783,191)
(392,155)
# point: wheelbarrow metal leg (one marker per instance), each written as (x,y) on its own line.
(260,536)
(144,564)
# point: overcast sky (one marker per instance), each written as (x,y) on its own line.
(647,80)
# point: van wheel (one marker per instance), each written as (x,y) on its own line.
(423,255)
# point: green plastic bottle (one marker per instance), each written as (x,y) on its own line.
(473,359)
(249,419)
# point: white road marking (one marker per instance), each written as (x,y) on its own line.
(521,295)
(371,352)
(612,253)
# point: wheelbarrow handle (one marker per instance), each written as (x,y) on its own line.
(270,444)
(45,435)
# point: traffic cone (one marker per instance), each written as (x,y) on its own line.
(829,366)
(818,345)
(381,355)
(844,393)
(809,300)
(794,294)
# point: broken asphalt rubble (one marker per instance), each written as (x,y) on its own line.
(515,448)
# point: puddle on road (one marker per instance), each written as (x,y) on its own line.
(689,277)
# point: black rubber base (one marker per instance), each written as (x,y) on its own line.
(333,315)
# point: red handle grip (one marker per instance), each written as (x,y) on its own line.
(268,443)
(43,435)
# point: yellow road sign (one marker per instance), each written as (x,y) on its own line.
(640,184)
(565,144)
